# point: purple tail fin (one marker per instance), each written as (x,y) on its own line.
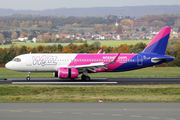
(159,43)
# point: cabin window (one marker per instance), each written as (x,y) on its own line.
(17,60)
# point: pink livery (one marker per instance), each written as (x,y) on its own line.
(70,66)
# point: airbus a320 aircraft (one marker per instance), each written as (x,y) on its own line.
(66,66)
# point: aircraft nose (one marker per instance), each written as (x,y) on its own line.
(8,65)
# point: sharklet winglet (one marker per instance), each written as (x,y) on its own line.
(115,59)
(99,51)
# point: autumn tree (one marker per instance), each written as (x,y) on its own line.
(28,24)
(39,49)
(7,34)
(23,50)
(177,23)
(3,56)
(15,23)
(60,47)
(158,23)
(49,24)
(1,36)
(14,35)
(46,38)
(42,23)
(24,34)
(53,36)
(11,53)
(2,23)
(99,27)
(137,47)
(23,24)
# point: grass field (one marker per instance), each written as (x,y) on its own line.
(62,93)
(36,44)
(118,43)
(145,72)
(112,93)
(103,43)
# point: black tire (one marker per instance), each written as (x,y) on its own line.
(83,77)
(28,78)
(87,78)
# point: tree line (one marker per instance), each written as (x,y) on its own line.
(7,54)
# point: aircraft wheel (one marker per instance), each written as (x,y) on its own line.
(83,77)
(87,78)
(28,78)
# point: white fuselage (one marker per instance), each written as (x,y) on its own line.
(40,62)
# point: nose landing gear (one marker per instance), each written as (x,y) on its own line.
(28,78)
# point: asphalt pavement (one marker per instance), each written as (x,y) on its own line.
(93,81)
(89,111)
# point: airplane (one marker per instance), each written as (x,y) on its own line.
(69,66)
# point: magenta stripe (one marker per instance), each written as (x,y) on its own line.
(162,33)
(86,59)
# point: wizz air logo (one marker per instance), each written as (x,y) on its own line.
(44,60)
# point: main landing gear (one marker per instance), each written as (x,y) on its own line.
(85,76)
(28,78)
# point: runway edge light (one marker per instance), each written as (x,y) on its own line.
(100,101)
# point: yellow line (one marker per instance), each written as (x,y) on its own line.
(116,115)
(97,113)
(135,116)
(170,119)
(154,117)
(77,113)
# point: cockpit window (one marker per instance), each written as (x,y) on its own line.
(17,60)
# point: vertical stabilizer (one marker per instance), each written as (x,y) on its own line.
(159,43)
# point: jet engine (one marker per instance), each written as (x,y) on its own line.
(65,73)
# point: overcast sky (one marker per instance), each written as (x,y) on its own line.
(52,4)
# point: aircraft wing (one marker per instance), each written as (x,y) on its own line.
(96,66)
(92,66)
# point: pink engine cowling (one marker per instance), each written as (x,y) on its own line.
(65,73)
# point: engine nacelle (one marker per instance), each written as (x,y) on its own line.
(65,73)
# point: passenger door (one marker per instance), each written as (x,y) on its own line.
(139,60)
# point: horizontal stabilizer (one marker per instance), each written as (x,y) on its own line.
(155,59)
